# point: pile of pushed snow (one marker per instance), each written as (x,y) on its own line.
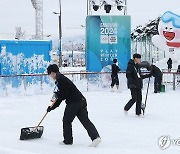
(33,89)
(73,69)
(84,82)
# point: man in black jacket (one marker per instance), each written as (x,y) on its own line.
(157,74)
(76,106)
(178,75)
(169,63)
(114,74)
(134,82)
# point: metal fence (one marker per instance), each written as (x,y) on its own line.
(85,81)
(148,51)
(171,78)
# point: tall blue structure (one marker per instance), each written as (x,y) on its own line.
(107,38)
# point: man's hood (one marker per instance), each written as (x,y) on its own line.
(131,62)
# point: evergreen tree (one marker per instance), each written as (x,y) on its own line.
(146,32)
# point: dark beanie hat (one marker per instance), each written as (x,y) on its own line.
(114,60)
(52,68)
(136,55)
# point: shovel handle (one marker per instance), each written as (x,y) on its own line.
(44,116)
(147,91)
(41,120)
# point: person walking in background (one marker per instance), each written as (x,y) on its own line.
(114,75)
(76,105)
(178,70)
(169,63)
(178,76)
(157,74)
(134,82)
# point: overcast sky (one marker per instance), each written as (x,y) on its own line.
(20,13)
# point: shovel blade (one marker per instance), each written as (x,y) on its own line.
(31,133)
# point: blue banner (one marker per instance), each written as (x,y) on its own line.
(107,38)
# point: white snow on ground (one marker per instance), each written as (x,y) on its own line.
(72,69)
(120,134)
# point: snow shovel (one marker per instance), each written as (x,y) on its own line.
(33,132)
(143,106)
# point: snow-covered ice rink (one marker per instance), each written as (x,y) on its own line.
(119,133)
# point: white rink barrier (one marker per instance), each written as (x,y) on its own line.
(86,81)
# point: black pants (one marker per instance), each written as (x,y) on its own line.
(115,80)
(80,110)
(157,84)
(136,97)
(169,68)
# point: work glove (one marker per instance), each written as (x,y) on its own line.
(54,97)
(49,109)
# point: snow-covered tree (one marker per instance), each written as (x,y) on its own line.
(146,32)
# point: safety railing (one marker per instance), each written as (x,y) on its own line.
(85,81)
(171,78)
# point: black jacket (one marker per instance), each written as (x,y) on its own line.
(178,70)
(133,81)
(66,90)
(115,70)
(169,63)
(155,71)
